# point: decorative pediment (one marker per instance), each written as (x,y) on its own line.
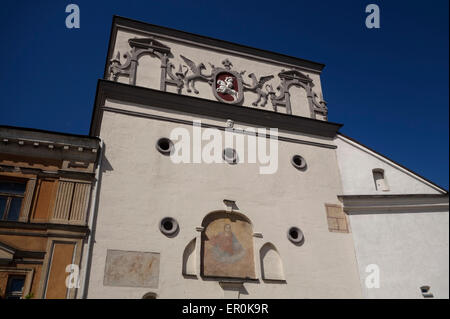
(148,43)
(295,75)
(6,253)
(9,254)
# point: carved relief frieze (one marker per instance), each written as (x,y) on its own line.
(228,85)
(295,78)
(140,47)
(257,87)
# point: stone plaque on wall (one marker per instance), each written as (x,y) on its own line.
(228,247)
(131,269)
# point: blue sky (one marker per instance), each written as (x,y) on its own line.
(388,86)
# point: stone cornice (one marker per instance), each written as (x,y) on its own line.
(75,153)
(193,105)
(207,42)
(70,174)
(43,229)
(396,203)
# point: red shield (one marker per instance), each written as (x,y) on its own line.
(227,86)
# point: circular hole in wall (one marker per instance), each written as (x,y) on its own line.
(164,146)
(230,155)
(149,295)
(298,162)
(295,235)
(168,226)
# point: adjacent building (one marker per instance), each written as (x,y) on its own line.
(45,189)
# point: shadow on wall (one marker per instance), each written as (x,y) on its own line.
(106,165)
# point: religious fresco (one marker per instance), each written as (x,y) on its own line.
(227,246)
(131,269)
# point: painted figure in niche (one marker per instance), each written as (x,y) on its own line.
(225,246)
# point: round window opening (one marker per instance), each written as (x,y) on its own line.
(168,226)
(230,155)
(295,235)
(164,146)
(298,162)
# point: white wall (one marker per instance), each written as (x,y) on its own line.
(410,249)
(356,164)
(141,186)
(402,231)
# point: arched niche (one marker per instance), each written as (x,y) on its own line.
(380,179)
(189,257)
(148,71)
(227,246)
(271,263)
(299,101)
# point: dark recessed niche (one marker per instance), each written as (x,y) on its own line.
(295,235)
(169,226)
(425,290)
(298,162)
(230,156)
(164,146)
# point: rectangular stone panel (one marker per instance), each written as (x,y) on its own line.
(62,256)
(131,269)
(337,220)
(45,200)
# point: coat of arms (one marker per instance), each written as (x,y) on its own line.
(227,85)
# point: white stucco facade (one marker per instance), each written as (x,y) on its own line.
(403,231)
(393,218)
(357,162)
(140,186)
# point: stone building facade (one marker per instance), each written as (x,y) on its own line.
(213,172)
(45,190)
(179,217)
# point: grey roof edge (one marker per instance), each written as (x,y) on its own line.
(7,131)
(445,191)
(368,196)
(194,105)
(37,130)
(239,48)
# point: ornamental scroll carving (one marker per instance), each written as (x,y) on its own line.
(228,85)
